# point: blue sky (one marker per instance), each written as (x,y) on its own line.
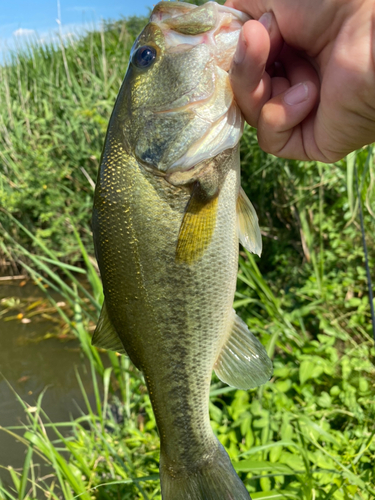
(20,19)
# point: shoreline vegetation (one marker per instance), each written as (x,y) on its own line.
(308,434)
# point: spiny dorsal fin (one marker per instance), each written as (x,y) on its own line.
(248,225)
(243,361)
(105,335)
(197,227)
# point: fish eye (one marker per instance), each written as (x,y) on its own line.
(144,56)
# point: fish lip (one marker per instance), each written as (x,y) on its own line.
(157,13)
(241,16)
(176,35)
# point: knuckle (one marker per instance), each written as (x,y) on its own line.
(273,118)
(267,145)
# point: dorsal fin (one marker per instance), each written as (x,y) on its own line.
(243,362)
(105,335)
(248,225)
(197,227)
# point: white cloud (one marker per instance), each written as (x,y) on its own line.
(16,39)
(23,32)
(80,8)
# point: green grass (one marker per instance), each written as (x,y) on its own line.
(309,432)
(55,109)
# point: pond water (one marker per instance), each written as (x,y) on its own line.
(34,356)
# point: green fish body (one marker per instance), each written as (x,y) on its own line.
(168,215)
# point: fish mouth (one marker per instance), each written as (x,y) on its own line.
(186,25)
(215,29)
(199,118)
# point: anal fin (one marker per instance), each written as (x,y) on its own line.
(248,225)
(105,335)
(243,361)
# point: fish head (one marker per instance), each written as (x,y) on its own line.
(176,107)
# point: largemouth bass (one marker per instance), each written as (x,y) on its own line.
(168,216)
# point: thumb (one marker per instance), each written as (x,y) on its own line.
(250,83)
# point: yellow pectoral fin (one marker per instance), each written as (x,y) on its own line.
(196,229)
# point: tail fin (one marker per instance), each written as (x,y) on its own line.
(215,479)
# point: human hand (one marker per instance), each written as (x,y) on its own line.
(305,75)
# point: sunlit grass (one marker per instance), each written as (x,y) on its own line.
(296,437)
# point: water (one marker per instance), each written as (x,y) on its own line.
(31,364)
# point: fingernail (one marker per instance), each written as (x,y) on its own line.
(266,20)
(240,50)
(297,94)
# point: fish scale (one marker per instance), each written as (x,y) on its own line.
(166,239)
